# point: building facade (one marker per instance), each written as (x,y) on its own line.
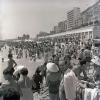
(72,16)
(61,27)
(80,35)
(91,15)
(42,34)
(78,22)
(56,29)
(76,19)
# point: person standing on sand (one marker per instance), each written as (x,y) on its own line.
(11,63)
(53,78)
(25,84)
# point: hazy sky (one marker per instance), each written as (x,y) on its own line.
(32,16)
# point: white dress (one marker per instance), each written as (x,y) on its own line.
(27,93)
(70,85)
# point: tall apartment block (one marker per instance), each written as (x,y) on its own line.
(61,27)
(72,16)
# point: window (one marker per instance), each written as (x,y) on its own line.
(82,35)
(90,34)
(86,33)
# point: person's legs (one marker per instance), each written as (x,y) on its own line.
(57,96)
(87,66)
(84,71)
(51,96)
(54,96)
(62,96)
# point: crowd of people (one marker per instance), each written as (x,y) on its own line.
(66,71)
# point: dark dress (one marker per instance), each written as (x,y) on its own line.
(37,78)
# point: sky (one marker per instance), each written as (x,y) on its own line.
(19,17)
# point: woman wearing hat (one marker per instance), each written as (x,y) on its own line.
(53,79)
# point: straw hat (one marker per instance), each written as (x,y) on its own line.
(96,60)
(52,67)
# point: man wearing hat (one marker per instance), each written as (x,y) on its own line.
(53,79)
